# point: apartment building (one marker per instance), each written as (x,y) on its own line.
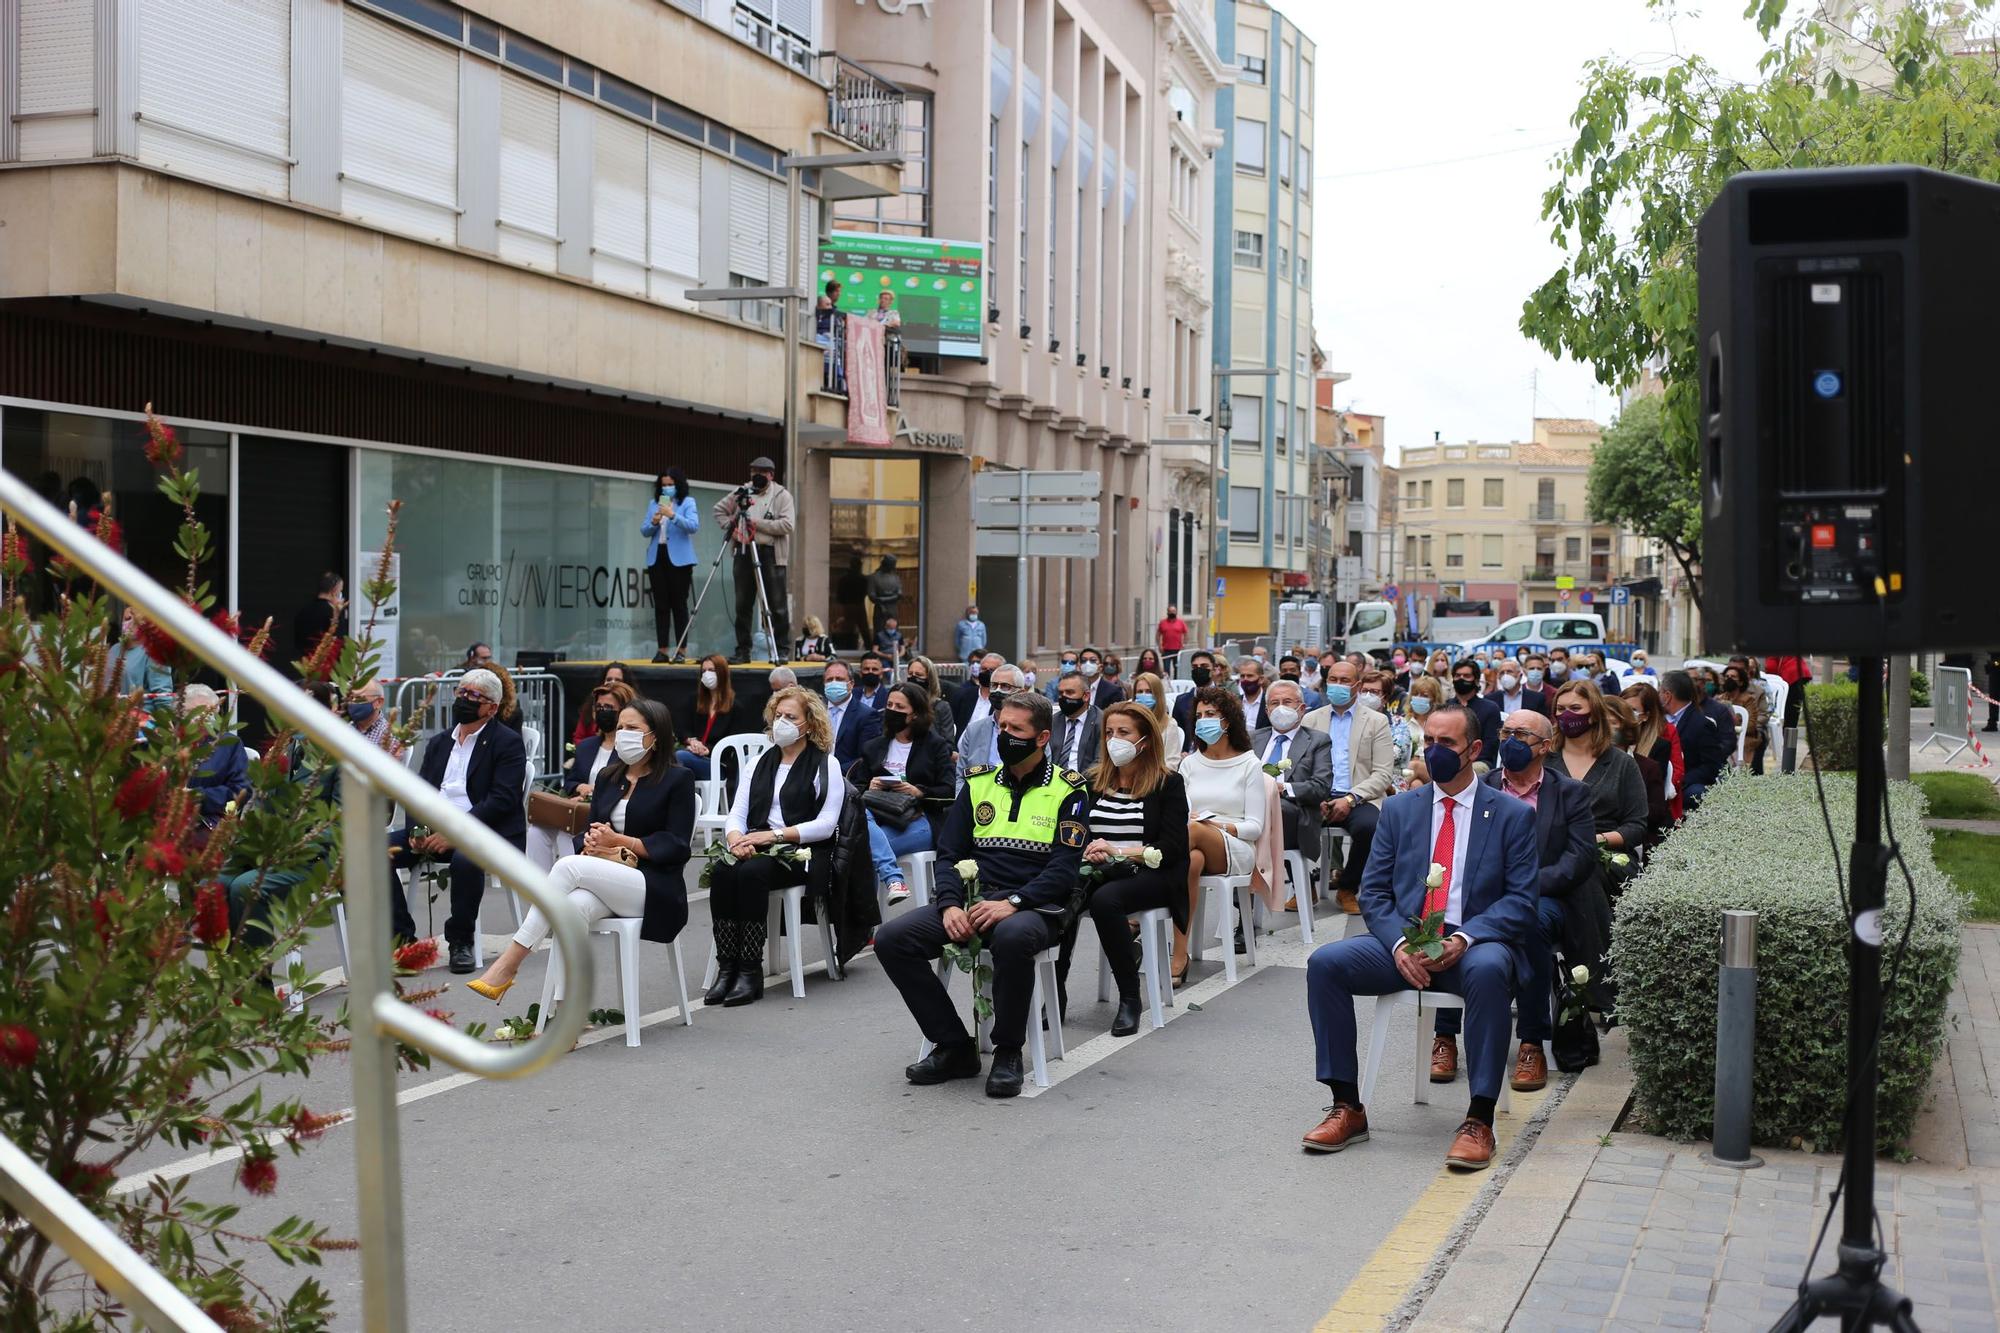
(1071,140)
(363,249)
(1507,523)
(1263,266)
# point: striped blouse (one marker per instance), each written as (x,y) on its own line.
(1119,818)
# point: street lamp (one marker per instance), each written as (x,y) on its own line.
(1219,421)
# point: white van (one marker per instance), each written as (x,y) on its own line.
(1538,633)
(1371,629)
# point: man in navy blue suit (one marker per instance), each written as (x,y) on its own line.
(873,688)
(1701,742)
(1566,838)
(1484,846)
(1465,672)
(854,722)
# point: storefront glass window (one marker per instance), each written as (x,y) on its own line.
(72,458)
(524,558)
(874,513)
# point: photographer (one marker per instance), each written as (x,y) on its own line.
(758,519)
(671,522)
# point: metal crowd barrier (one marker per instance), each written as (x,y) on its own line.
(425,702)
(370,782)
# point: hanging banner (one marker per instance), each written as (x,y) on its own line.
(867,384)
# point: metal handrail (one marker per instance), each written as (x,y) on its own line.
(370,780)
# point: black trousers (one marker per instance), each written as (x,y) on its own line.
(908,947)
(742,892)
(746,602)
(1110,904)
(1360,826)
(670,584)
(468,886)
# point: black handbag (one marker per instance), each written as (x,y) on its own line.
(897,809)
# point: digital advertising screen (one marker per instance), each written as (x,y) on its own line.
(939,286)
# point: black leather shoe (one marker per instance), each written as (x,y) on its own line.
(461,959)
(1239,941)
(1127,1020)
(660,657)
(746,988)
(1005,1078)
(725,977)
(945,1063)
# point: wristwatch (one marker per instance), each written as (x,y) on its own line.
(1014,901)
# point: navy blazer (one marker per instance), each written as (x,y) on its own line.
(580,763)
(859,725)
(1702,746)
(1565,830)
(1532,699)
(222,777)
(661,815)
(1501,871)
(494,779)
(1487,710)
(1104,693)
(963,700)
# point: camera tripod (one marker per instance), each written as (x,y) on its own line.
(747,549)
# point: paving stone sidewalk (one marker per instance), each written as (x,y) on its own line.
(1615,1230)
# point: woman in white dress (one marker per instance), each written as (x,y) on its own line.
(1225,796)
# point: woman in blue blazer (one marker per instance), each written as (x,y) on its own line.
(672,519)
(644,805)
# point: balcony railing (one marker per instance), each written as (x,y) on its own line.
(756,30)
(1551,571)
(862,107)
(830,332)
(1549,512)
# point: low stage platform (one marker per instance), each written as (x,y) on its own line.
(674,684)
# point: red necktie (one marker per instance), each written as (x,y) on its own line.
(1447,845)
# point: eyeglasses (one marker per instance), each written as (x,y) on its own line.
(475,696)
(1519,734)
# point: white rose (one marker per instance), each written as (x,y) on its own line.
(968,869)
(1409,775)
(229,809)
(1579,974)
(1284,765)
(1151,856)
(1435,879)
(805,855)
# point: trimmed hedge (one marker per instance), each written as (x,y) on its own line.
(1920,690)
(1835,709)
(1759,844)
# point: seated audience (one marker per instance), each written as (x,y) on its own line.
(1201,671)
(712,718)
(1465,680)
(1226,799)
(909,758)
(971,703)
(1362,772)
(1701,741)
(853,723)
(1625,734)
(979,743)
(1743,688)
(923,674)
(591,756)
(1306,763)
(586,716)
(1617,792)
(1149,691)
(368,710)
(1077,725)
(222,776)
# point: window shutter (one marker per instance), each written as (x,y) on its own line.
(56,52)
(528,220)
(673,188)
(749,224)
(215,90)
(618,204)
(399,129)
(796,17)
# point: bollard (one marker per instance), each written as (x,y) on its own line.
(1735,1041)
(1791,763)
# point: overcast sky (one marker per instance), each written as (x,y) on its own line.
(1434,127)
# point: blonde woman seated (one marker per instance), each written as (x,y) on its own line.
(632,856)
(1226,798)
(1150,693)
(792,796)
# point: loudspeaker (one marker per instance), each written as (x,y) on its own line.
(1850,336)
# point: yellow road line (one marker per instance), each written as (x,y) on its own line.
(1400,1260)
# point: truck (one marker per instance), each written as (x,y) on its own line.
(1462,622)
(1371,629)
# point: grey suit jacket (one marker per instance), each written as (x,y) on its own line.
(1311,779)
(1090,722)
(1371,752)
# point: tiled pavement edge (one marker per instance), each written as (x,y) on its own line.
(1640,1232)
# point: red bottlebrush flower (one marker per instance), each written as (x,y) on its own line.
(231,1317)
(307,1126)
(211,912)
(417,955)
(319,664)
(140,791)
(161,646)
(85,1179)
(227,622)
(259,1175)
(100,912)
(14,550)
(18,1046)
(441,1015)
(163,447)
(107,530)
(283,761)
(163,858)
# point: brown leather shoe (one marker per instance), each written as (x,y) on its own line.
(1347,902)
(1531,1068)
(1292,903)
(1472,1149)
(1444,1058)
(1343,1125)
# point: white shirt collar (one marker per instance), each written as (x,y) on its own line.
(1463,798)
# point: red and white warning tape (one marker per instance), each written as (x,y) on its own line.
(1970,735)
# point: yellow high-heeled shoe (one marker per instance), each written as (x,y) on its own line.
(492,993)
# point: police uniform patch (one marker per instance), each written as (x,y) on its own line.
(983,813)
(1074,778)
(1071,833)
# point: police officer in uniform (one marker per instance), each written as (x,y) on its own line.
(1023,823)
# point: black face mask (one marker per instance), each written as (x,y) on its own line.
(1201,676)
(1292,676)
(760,482)
(607,720)
(1071,707)
(985,679)
(870,680)
(1016,750)
(465,710)
(893,722)
(1465,688)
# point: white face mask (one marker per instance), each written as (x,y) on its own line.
(1088,668)
(630,745)
(785,731)
(1368,701)
(1121,751)
(708,680)
(1284,717)
(1510,682)
(1030,679)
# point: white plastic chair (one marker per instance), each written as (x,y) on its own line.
(531,742)
(1300,877)
(626,928)
(1156,928)
(1041,1008)
(1378,1040)
(714,809)
(294,999)
(1217,890)
(792,905)
(917,868)
(1742,730)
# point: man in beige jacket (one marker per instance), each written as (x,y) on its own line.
(764,537)
(1364,770)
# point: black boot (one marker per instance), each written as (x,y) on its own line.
(1005,1078)
(1126,1022)
(747,987)
(725,962)
(958,1059)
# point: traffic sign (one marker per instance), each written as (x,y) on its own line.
(1006,513)
(1347,578)
(1564,583)
(991,485)
(1562,595)
(1221,585)
(1055,545)
(1621,596)
(1391,593)
(1588,597)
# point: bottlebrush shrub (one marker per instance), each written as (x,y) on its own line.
(1760,844)
(130,1013)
